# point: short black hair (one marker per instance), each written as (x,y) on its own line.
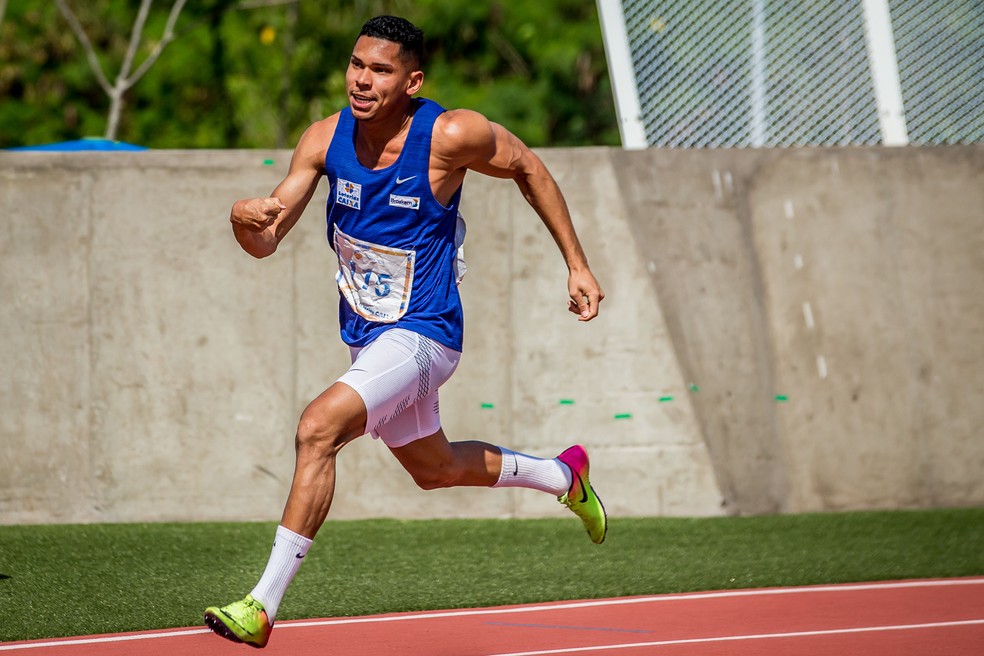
(398,30)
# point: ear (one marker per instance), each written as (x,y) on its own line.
(415,81)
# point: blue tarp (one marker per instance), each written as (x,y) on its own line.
(83,144)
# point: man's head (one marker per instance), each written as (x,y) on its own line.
(401,31)
(384,70)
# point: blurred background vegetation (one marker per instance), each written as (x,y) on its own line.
(256,73)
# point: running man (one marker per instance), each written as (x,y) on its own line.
(396,165)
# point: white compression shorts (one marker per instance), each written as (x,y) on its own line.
(397,376)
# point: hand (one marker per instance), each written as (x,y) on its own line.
(585,294)
(256,214)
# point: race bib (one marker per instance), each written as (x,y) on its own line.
(375,280)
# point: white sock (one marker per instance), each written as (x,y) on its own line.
(286,557)
(521,470)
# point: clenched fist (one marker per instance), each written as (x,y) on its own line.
(256,214)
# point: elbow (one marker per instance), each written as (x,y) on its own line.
(531,165)
(260,252)
(254,243)
(529,171)
(258,249)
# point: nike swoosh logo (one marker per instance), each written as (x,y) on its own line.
(515,467)
(298,556)
(584,490)
(400,180)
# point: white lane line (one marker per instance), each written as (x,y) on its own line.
(758,636)
(822,367)
(682,596)
(101,640)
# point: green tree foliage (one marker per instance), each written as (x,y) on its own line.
(256,73)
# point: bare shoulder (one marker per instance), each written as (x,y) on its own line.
(325,127)
(313,145)
(463,134)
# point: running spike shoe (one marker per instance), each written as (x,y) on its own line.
(241,621)
(581,498)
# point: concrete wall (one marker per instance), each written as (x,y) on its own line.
(150,370)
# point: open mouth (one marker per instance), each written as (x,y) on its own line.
(361,102)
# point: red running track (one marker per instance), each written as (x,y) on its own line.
(898,618)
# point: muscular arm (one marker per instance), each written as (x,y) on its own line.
(470,141)
(260,224)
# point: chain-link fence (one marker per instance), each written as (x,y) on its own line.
(941,59)
(716,73)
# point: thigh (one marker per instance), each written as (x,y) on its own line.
(397,377)
(420,419)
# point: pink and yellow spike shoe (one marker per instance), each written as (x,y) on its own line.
(581,498)
(242,621)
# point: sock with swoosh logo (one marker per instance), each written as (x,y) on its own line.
(521,470)
(286,557)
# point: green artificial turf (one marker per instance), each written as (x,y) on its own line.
(84,579)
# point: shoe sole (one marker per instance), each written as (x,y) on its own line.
(219,628)
(604,513)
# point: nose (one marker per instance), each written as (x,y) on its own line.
(363,78)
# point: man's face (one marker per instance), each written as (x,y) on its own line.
(377,80)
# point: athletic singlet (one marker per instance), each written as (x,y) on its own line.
(395,242)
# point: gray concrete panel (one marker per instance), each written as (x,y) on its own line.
(191,363)
(942,274)
(861,280)
(691,226)
(46,347)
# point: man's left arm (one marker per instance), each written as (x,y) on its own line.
(490,149)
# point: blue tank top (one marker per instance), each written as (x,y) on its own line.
(394,241)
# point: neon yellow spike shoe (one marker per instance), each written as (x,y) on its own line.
(581,498)
(241,621)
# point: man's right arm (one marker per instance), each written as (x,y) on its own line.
(260,224)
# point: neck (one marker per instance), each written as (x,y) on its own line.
(375,134)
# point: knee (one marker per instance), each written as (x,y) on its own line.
(329,422)
(317,436)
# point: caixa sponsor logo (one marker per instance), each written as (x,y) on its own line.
(349,194)
(408,202)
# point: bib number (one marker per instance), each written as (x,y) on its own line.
(375,280)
